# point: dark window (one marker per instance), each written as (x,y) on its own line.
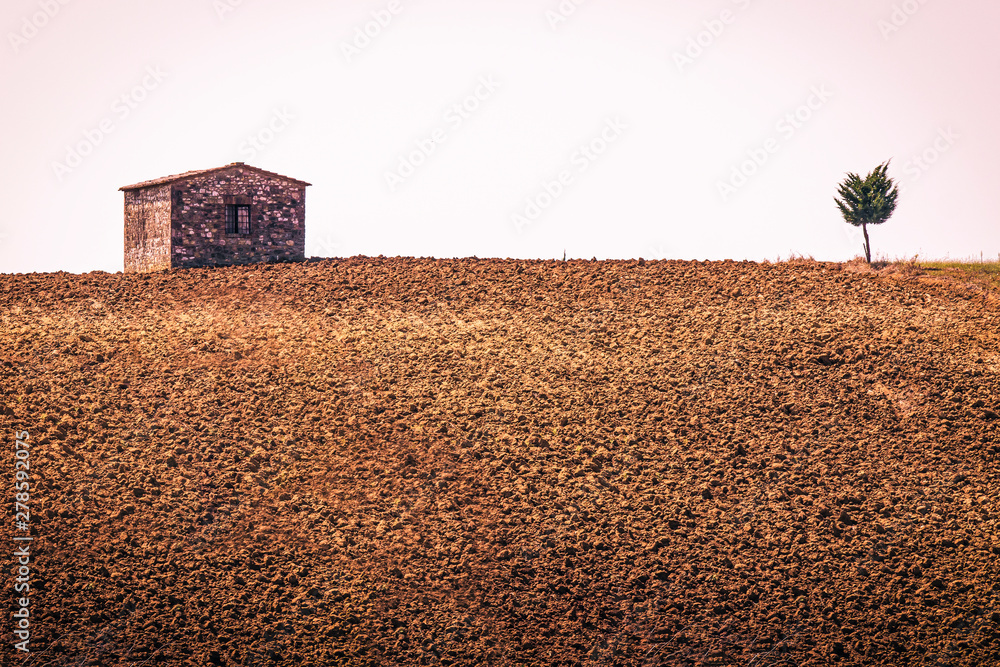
(237,219)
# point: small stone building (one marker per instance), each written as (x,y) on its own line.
(235,214)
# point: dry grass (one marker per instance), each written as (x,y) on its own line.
(798,258)
(987,271)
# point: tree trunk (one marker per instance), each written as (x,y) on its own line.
(868,245)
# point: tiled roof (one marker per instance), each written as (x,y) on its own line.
(200,172)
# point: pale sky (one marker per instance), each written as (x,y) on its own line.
(510,129)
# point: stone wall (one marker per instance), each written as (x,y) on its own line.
(147,229)
(277,219)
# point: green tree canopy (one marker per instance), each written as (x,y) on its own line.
(868,201)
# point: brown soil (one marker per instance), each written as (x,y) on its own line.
(472,462)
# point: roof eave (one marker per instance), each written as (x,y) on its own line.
(169,180)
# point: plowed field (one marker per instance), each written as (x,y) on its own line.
(494,462)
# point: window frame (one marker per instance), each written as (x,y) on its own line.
(237,216)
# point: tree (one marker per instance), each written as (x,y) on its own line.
(868,201)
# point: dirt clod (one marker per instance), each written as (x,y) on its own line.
(491,462)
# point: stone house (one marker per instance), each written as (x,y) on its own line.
(236,214)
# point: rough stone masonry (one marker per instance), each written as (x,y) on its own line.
(236,214)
